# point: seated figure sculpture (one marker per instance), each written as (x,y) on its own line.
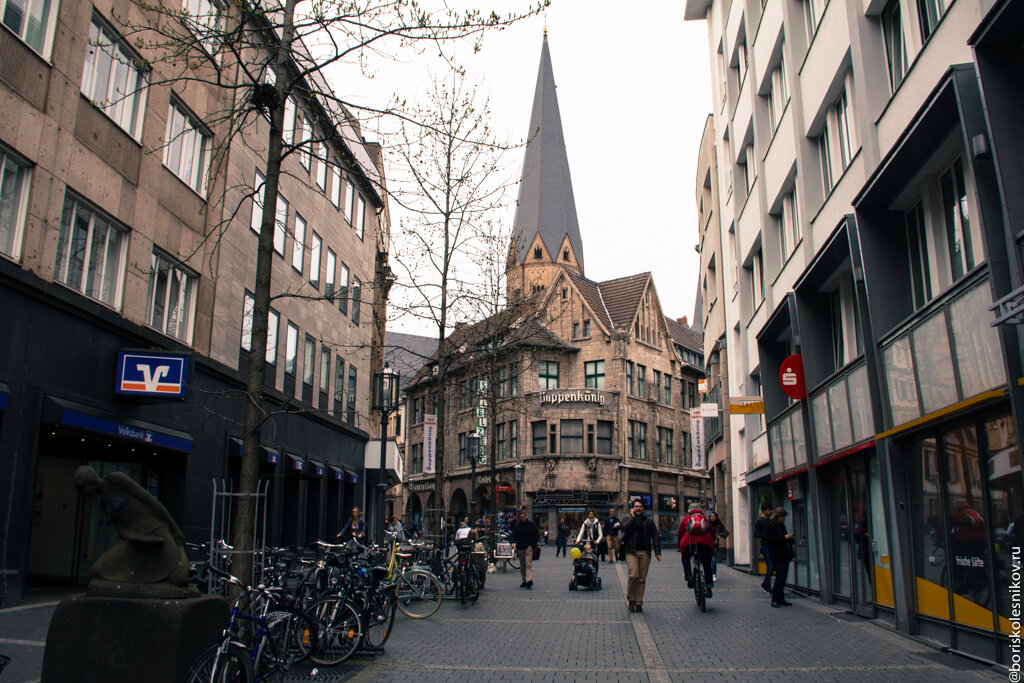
(150,560)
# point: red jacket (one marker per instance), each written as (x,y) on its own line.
(685,539)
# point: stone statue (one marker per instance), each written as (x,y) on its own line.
(150,560)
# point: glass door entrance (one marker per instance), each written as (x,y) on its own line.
(854,550)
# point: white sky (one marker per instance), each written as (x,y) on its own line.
(634,92)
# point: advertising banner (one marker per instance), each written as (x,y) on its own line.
(429,443)
(697,439)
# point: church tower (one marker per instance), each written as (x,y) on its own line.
(546,232)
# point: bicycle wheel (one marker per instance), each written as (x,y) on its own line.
(513,562)
(698,588)
(379,620)
(232,665)
(418,594)
(339,630)
(294,636)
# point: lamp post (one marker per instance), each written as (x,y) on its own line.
(518,470)
(473,445)
(385,401)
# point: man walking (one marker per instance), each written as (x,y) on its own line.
(611,534)
(762,529)
(562,539)
(524,535)
(638,536)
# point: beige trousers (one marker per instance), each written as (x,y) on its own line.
(638,563)
(526,564)
(613,547)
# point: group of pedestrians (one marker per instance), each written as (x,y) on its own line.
(777,550)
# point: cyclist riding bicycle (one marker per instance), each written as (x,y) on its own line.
(696,537)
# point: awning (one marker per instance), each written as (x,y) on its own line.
(4,393)
(295,463)
(336,473)
(316,469)
(351,477)
(70,414)
(760,475)
(267,454)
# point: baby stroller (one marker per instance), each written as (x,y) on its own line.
(584,572)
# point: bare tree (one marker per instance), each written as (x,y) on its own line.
(251,59)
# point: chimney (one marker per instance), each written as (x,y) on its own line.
(682,321)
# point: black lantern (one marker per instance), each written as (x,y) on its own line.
(518,474)
(385,401)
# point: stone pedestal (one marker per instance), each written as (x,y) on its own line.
(109,640)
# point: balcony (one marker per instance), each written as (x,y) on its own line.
(947,353)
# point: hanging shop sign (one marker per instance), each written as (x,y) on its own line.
(151,374)
(746,405)
(429,443)
(572,396)
(709,410)
(791,377)
(481,420)
(702,386)
(697,438)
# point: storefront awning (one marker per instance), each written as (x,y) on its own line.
(295,463)
(336,473)
(267,454)
(760,475)
(4,393)
(315,469)
(70,414)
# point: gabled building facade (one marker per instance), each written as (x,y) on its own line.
(870,258)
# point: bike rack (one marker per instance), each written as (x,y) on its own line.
(222,505)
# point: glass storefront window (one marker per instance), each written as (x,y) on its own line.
(934,363)
(786,435)
(1007,504)
(879,539)
(796,418)
(822,424)
(899,379)
(860,402)
(840,415)
(840,534)
(928,529)
(976,341)
(775,434)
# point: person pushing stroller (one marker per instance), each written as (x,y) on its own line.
(584,569)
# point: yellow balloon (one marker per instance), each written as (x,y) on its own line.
(575,553)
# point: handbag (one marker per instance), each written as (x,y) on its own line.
(536,553)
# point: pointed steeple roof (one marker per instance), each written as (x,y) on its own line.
(546,204)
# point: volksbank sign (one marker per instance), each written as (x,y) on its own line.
(572,396)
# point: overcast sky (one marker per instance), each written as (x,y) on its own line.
(634,92)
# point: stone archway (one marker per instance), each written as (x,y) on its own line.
(414,515)
(459,506)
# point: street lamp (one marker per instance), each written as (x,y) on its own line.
(518,471)
(473,445)
(385,401)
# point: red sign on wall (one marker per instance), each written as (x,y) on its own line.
(791,377)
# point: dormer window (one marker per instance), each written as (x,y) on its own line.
(565,254)
(537,253)
(565,292)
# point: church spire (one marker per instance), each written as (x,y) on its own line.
(546,207)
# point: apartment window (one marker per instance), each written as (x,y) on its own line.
(641,440)
(248,306)
(586,328)
(463,460)
(537,253)
(917,253)
(31,21)
(187,148)
(463,394)
(14,183)
(641,381)
(629,377)
(502,382)
(540,437)
(305,133)
(838,336)
(308,356)
(666,442)
(343,282)
(842,110)
(91,253)
(319,152)
(746,164)
(547,374)
(273,320)
(256,217)
(325,368)
(779,96)
(657,385)
(604,437)
(350,200)
(513,439)
(930,12)
(339,380)
(513,380)
(789,225)
(299,243)
(741,59)
(812,12)
(499,437)
(289,122)
(895,48)
(416,458)
(361,218)
(171,298)
(205,20)
(357,287)
(590,437)
(112,79)
(957,219)
(553,437)
(684,458)
(291,349)
(315,245)
(757,278)
(575,330)
(336,187)
(593,371)
(332,262)
(350,404)
(825,158)
(572,436)
(417,410)
(668,389)
(280,224)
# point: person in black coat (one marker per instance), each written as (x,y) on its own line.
(524,534)
(562,539)
(639,535)
(761,530)
(780,544)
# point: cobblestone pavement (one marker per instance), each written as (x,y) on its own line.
(551,634)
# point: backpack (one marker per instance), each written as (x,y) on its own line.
(697,524)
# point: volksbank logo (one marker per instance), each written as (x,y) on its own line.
(148,374)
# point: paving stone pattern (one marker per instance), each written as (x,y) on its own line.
(551,634)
